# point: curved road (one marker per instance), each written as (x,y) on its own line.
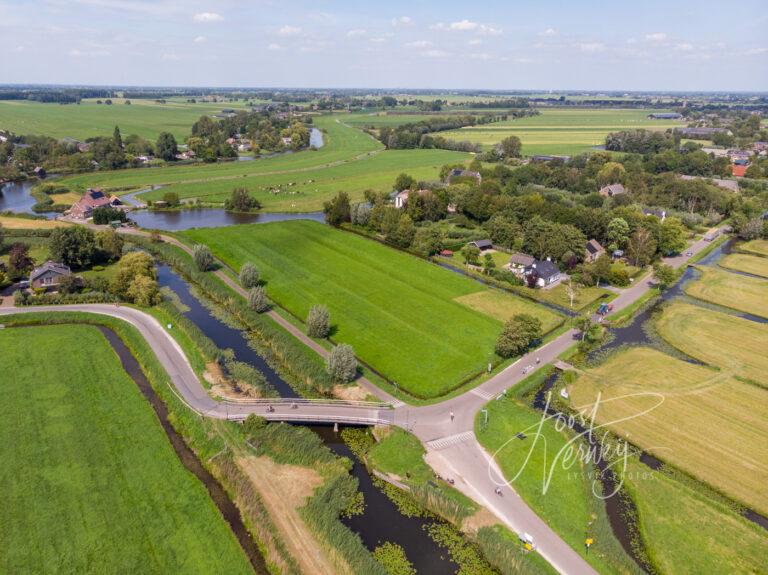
(452,449)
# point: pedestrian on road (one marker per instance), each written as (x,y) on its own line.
(538,360)
(498,490)
(451,416)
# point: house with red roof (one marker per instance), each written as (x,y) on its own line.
(93,198)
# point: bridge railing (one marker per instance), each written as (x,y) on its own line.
(295,417)
(277,401)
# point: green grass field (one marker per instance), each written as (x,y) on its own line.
(687,532)
(89,480)
(399,312)
(755,265)
(88,119)
(702,420)
(561,131)
(350,161)
(735,291)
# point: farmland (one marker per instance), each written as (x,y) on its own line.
(731,290)
(754,265)
(400,313)
(350,161)
(726,341)
(570,131)
(758,247)
(704,421)
(145,118)
(102,489)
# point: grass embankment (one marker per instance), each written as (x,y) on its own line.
(561,131)
(734,291)
(754,265)
(701,420)
(146,118)
(90,481)
(686,531)
(567,502)
(12,223)
(424,339)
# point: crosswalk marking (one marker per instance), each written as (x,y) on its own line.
(397,403)
(484,394)
(449,440)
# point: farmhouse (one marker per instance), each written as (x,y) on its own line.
(401,198)
(665,116)
(738,170)
(482,245)
(661,214)
(702,133)
(92,198)
(731,185)
(48,275)
(545,272)
(459,173)
(519,261)
(594,251)
(612,190)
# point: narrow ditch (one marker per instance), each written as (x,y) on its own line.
(185,454)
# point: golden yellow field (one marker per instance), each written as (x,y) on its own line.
(731,290)
(759,247)
(699,419)
(12,223)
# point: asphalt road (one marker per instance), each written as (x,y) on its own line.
(453,450)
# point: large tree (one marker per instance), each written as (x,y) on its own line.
(338,210)
(511,147)
(641,247)
(166,147)
(519,332)
(341,363)
(19,260)
(74,246)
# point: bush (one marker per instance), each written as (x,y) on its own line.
(341,363)
(107,214)
(249,275)
(203,257)
(257,299)
(318,322)
(517,335)
(241,201)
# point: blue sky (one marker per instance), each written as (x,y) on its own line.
(589,45)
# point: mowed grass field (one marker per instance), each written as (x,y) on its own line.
(350,161)
(400,313)
(561,131)
(735,291)
(759,247)
(687,532)
(146,118)
(755,265)
(90,483)
(719,339)
(11,223)
(700,419)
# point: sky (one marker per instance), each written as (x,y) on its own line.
(674,45)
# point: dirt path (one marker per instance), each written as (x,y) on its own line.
(284,489)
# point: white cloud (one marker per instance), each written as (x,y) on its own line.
(591,47)
(289,31)
(403,21)
(274,47)
(434,53)
(475,42)
(88,53)
(170,57)
(548,32)
(656,37)
(756,51)
(480,56)
(467,26)
(356,33)
(684,47)
(419,44)
(377,40)
(18,49)
(208,17)
(200,39)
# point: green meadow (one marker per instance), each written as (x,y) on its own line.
(90,482)
(350,161)
(402,315)
(146,118)
(561,131)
